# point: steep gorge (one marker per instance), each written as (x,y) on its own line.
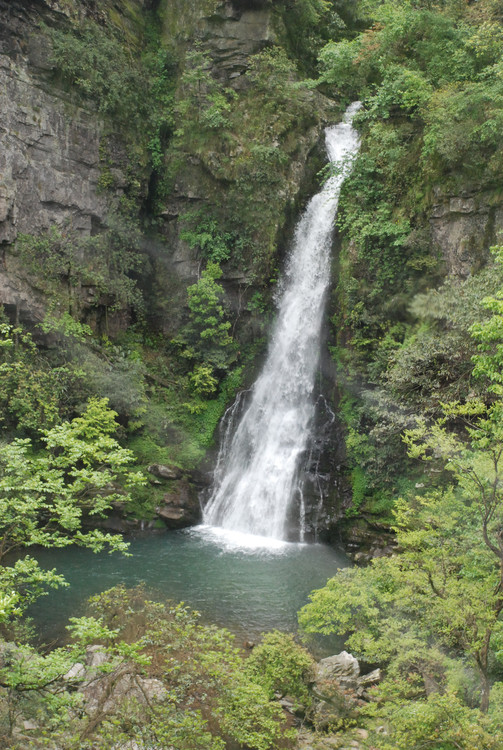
(111,205)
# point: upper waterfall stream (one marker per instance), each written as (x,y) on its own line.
(256,477)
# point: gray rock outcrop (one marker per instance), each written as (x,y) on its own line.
(342,668)
(339,690)
(49,152)
(463,227)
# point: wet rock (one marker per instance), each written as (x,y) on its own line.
(116,523)
(180,506)
(363,540)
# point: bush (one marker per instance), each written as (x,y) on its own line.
(280,665)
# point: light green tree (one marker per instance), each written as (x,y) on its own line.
(206,341)
(45,496)
(435,609)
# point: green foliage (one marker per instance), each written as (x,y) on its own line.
(202,102)
(207,314)
(41,687)
(244,141)
(200,417)
(202,381)
(206,340)
(434,609)
(429,77)
(463,128)
(489,335)
(204,233)
(275,78)
(100,65)
(443,722)
(280,665)
(64,262)
(250,717)
(311,23)
(210,700)
(45,497)
(401,89)
(30,390)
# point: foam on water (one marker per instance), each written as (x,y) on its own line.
(241,541)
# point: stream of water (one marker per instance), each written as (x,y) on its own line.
(256,478)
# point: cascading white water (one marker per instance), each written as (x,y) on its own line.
(256,475)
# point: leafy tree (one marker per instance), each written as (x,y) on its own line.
(279,664)
(46,495)
(212,701)
(30,390)
(436,606)
(203,231)
(206,340)
(446,585)
(489,335)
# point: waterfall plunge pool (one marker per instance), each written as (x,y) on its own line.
(244,583)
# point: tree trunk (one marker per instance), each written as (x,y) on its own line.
(485,692)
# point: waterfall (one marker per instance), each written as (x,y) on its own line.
(257,474)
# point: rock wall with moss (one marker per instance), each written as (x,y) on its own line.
(154,157)
(418,217)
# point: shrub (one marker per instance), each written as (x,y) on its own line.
(280,665)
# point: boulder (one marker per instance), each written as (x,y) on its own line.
(106,694)
(96,656)
(341,668)
(163,471)
(372,678)
(180,506)
(77,672)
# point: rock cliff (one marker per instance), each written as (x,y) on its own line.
(70,164)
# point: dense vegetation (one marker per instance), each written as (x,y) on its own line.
(420,362)
(118,376)
(430,78)
(205,694)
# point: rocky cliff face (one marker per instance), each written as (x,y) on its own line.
(50,149)
(463,227)
(64,163)
(232,31)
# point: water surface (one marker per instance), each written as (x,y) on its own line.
(244,583)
